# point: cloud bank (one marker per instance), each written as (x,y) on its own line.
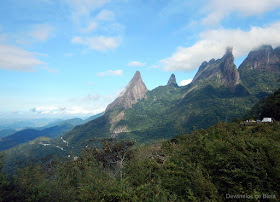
(83,8)
(51,110)
(41,32)
(136,64)
(185,82)
(100,43)
(221,8)
(17,59)
(110,73)
(213,43)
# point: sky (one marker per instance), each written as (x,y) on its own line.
(71,58)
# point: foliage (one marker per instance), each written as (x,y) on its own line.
(267,107)
(202,166)
(259,83)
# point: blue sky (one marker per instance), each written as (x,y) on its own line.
(70,58)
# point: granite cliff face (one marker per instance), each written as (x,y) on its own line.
(172,81)
(134,91)
(260,71)
(263,59)
(222,71)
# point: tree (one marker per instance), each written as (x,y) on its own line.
(113,153)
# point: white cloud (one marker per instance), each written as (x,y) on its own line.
(82,8)
(111,73)
(77,40)
(3,38)
(91,98)
(136,64)
(49,69)
(213,43)
(185,82)
(220,8)
(91,26)
(17,59)
(41,32)
(64,110)
(100,43)
(68,54)
(105,15)
(79,110)
(155,66)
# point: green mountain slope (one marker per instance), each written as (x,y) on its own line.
(40,144)
(267,107)
(224,161)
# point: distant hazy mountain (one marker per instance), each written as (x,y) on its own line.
(93,117)
(52,130)
(30,134)
(33,144)
(6,132)
(74,122)
(19,124)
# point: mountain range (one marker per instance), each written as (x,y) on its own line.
(11,138)
(219,92)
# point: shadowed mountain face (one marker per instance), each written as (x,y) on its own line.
(134,91)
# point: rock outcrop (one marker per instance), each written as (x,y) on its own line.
(222,71)
(264,59)
(134,91)
(260,71)
(172,81)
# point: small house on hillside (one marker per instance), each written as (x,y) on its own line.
(267,120)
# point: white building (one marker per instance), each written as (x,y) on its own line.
(267,120)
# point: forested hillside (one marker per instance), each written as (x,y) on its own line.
(226,161)
(267,107)
(205,165)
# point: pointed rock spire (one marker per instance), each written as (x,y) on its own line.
(134,91)
(172,81)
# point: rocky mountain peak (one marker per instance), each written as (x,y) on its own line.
(228,68)
(229,51)
(262,59)
(228,56)
(222,70)
(172,81)
(134,91)
(136,77)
